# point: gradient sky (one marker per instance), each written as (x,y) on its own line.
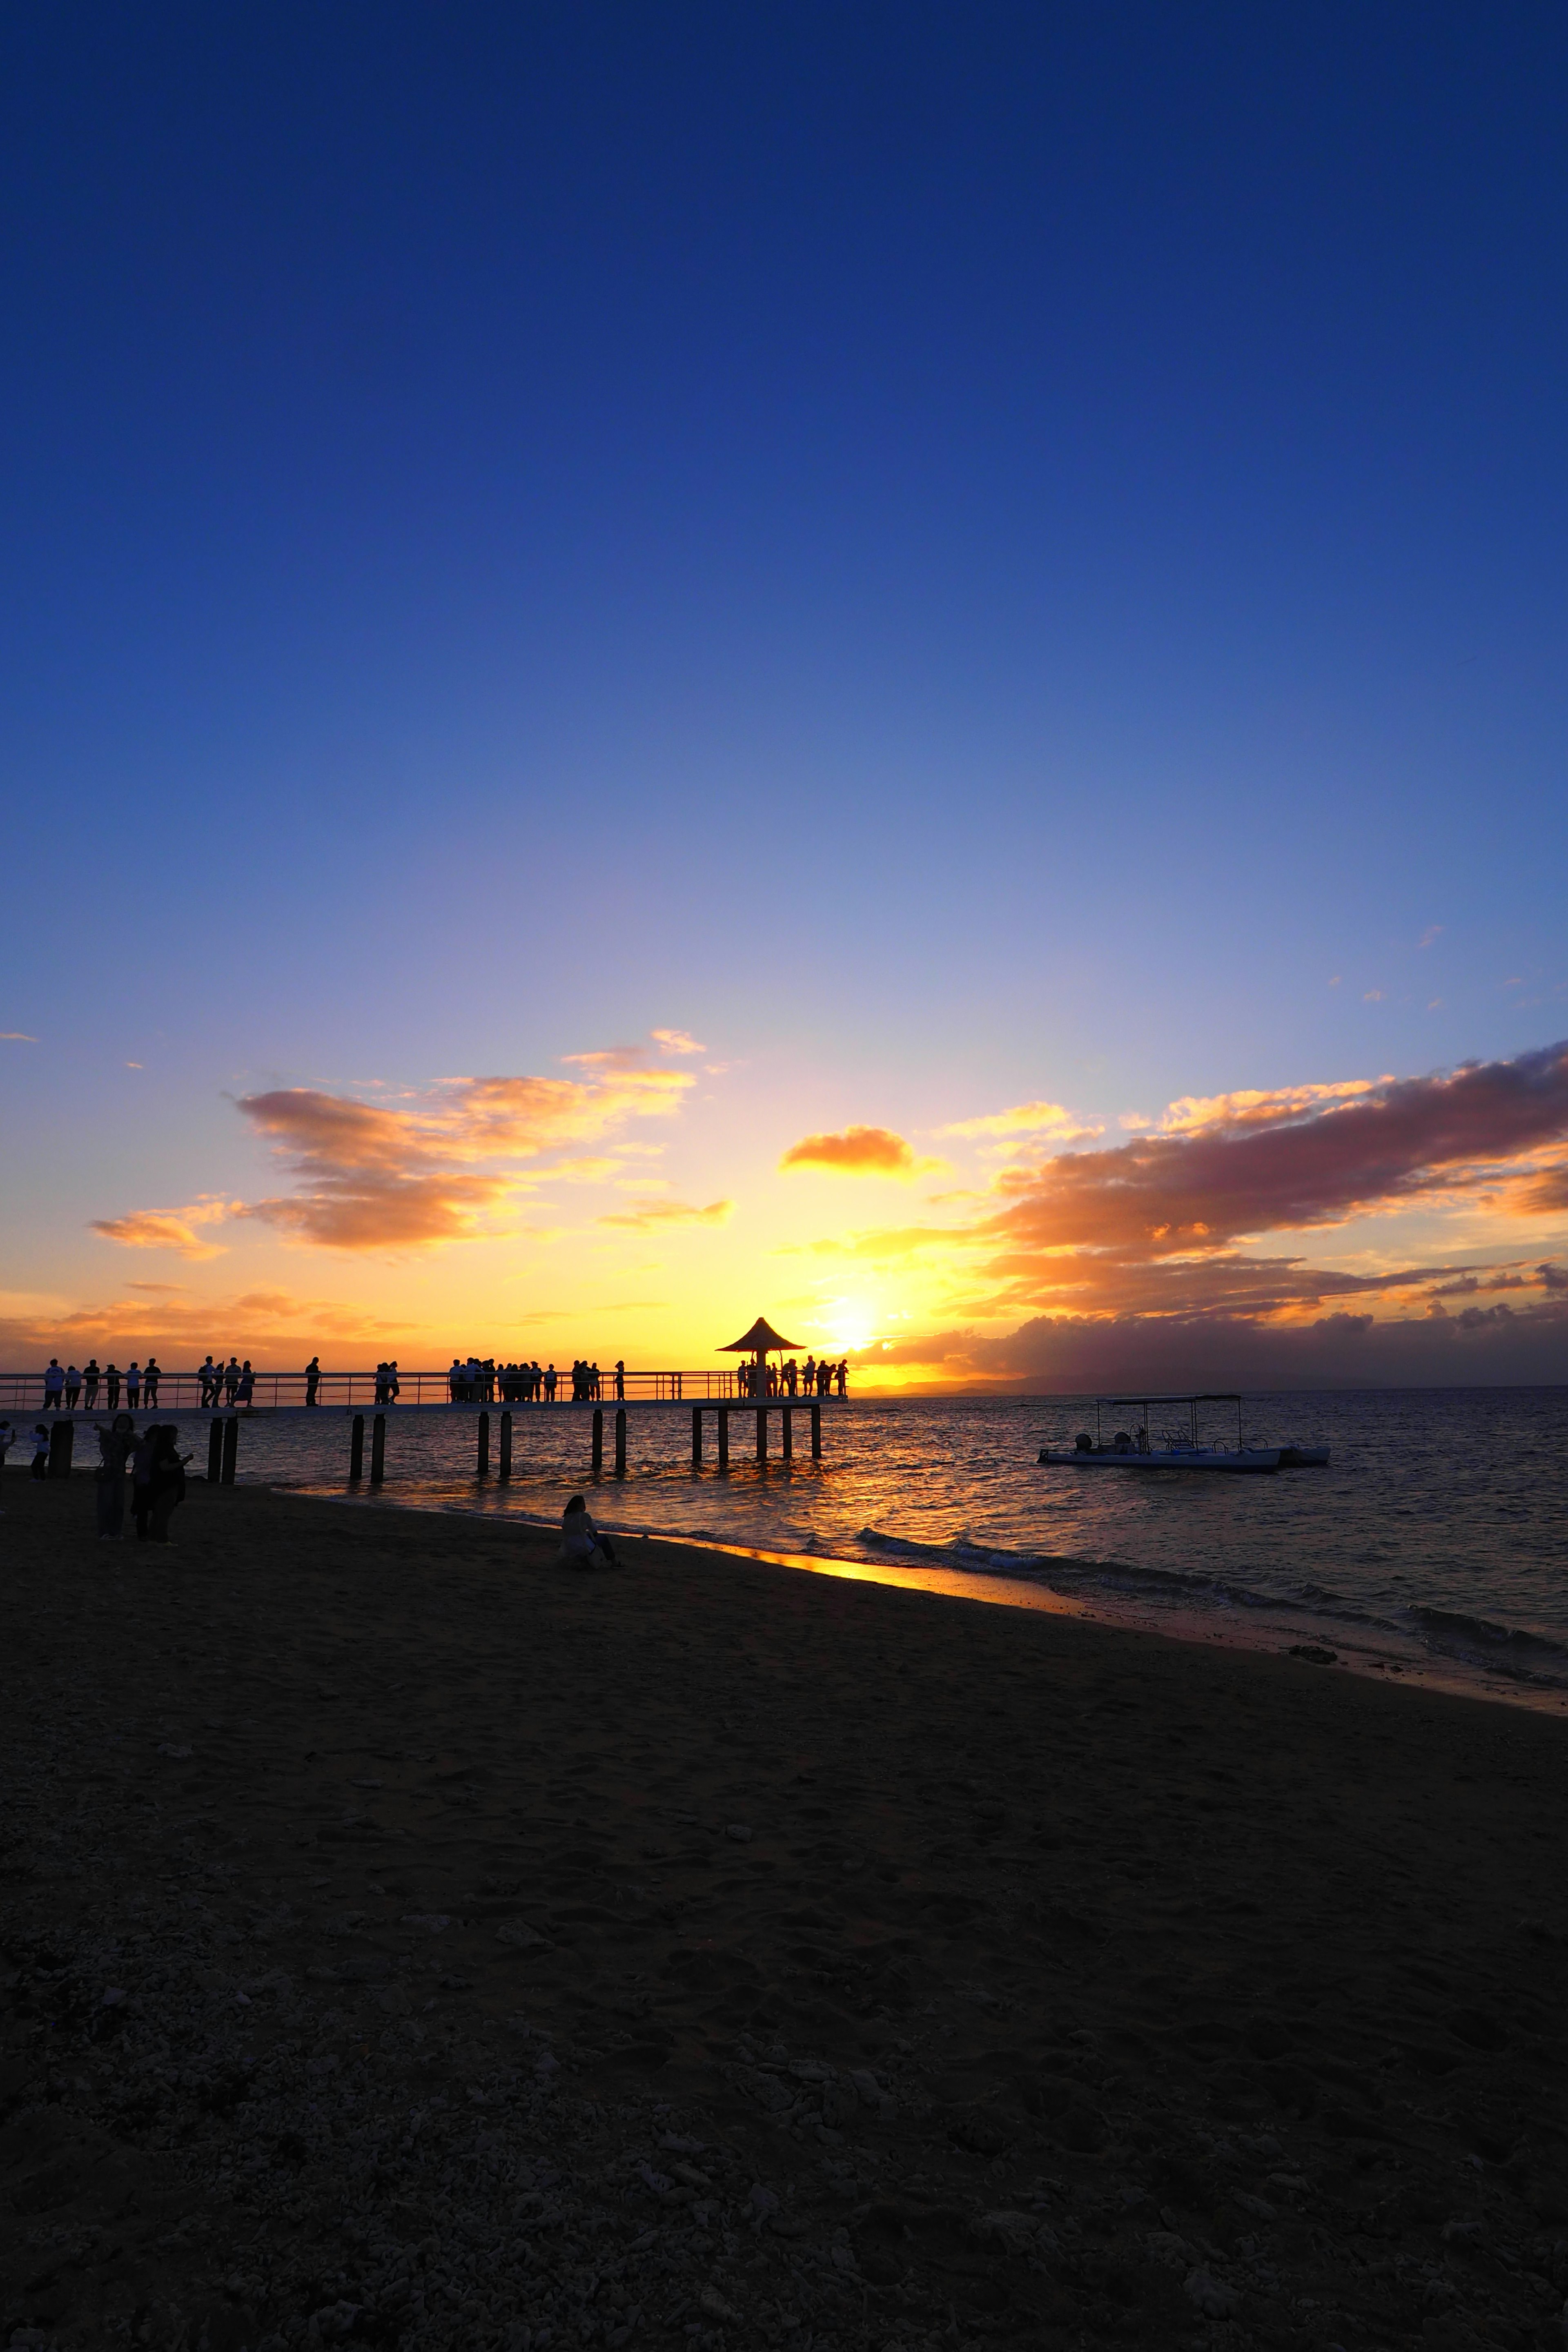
(953,558)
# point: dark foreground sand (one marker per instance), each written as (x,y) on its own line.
(407,1944)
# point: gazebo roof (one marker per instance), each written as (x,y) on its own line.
(758,1340)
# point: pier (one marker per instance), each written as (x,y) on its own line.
(715,1397)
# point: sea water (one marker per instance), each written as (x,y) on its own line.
(1434,1546)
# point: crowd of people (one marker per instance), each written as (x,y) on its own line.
(231,1386)
(789,1378)
(71,1389)
(484,1382)
(153,1461)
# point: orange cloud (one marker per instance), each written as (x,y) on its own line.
(858,1151)
(677,1040)
(170,1229)
(1043,1119)
(1258,1105)
(373,1177)
(643,1215)
(168,1319)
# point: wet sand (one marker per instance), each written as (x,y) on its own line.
(408,1942)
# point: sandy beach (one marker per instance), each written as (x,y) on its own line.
(406,1942)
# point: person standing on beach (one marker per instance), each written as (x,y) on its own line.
(7,1435)
(111,1383)
(133,1384)
(143,1455)
(312,1379)
(151,1376)
(168,1481)
(114,1445)
(40,1450)
(90,1378)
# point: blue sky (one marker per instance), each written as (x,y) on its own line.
(961,556)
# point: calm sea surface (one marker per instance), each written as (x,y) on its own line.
(1434,1547)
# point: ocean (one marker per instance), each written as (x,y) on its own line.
(1433,1549)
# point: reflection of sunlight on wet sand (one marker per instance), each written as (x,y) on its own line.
(1013,1592)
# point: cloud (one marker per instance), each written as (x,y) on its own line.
(643,1215)
(171,1229)
(1025,1118)
(677,1040)
(171,1320)
(1388,1145)
(1258,1105)
(1433,931)
(858,1151)
(16,1037)
(372,1176)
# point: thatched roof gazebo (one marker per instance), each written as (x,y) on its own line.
(760,1342)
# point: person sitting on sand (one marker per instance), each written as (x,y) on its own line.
(114,1443)
(581,1545)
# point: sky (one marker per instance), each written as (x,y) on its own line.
(897,666)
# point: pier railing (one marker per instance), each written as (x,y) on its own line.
(24,1392)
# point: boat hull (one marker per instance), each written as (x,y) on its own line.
(1261,1457)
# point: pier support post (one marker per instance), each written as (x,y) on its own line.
(761,1433)
(356,1446)
(697,1437)
(723,1437)
(789,1433)
(230,1448)
(506,1449)
(378,1449)
(482,1464)
(620,1441)
(215,1451)
(817,1433)
(62,1437)
(598,1441)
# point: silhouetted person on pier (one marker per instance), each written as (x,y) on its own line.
(133,1385)
(844,1378)
(90,1379)
(620,1380)
(312,1379)
(73,1387)
(244,1387)
(211,1379)
(54,1386)
(808,1377)
(231,1380)
(112,1384)
(151,1376)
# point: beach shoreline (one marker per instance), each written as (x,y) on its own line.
(1376,1651)
(414,1938)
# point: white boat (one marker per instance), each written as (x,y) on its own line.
(1135,1449)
